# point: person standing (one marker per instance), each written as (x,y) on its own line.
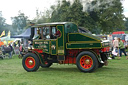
(14,46)
(115,47)
(122,48)
(10,53)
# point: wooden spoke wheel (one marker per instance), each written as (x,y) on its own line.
(86,61)
(30,62)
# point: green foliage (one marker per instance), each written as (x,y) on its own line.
(60,13)
(2,23)
(107,14)
(19,22)
(126,23)
(101,15)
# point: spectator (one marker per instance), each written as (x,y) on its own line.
(115,48)
(122,48)
(21,49)
(10,53)
(14,46)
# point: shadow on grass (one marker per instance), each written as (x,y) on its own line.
(63,69)
(75,69)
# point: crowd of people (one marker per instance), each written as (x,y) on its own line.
(7,49)
(118,48)
(11,49)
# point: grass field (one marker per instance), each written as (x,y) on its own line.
(12,73)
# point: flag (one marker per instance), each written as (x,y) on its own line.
(2,34)
(9,33)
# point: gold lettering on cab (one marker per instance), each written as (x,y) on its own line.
(45,42)
(39,43)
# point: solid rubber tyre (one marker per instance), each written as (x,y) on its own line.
(86,61)
(30,62)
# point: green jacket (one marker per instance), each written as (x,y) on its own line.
(121,44)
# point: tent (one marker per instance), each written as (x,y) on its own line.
(7,39)
(25,34)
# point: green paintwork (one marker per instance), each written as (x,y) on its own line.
(53,50)
(83,45)
(42,44)
(70,39)
(71,28)
(81,37)
(46,47)
(40,57)
(60,40)
(38,44)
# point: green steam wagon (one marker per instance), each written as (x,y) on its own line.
(65,43)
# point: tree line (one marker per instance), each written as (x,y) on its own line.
(98,16)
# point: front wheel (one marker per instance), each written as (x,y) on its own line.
(86,61)
(30,62)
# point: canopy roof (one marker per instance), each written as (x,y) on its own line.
(25,34)
(53,23)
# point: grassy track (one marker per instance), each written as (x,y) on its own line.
(12,73)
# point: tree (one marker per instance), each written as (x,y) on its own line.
(65,11)
(60,12)
(107,15)
(2,23)
(126,23)
(42,17)
(19,22)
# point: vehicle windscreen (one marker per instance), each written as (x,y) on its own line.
(83,30)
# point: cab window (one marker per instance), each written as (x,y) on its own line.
(46,32)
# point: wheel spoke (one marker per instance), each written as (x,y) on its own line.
(30,62)
(86,62)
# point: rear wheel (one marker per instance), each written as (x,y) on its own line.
(86,61)
(30,62)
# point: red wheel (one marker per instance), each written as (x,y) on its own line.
(30,62)
(86,61)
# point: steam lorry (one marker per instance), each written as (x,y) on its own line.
(72,46)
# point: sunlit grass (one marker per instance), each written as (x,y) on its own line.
(12,73)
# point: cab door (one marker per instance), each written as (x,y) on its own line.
(53,41)
(53,47)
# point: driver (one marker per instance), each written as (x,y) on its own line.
(58,34)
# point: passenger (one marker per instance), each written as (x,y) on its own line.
(38,35)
